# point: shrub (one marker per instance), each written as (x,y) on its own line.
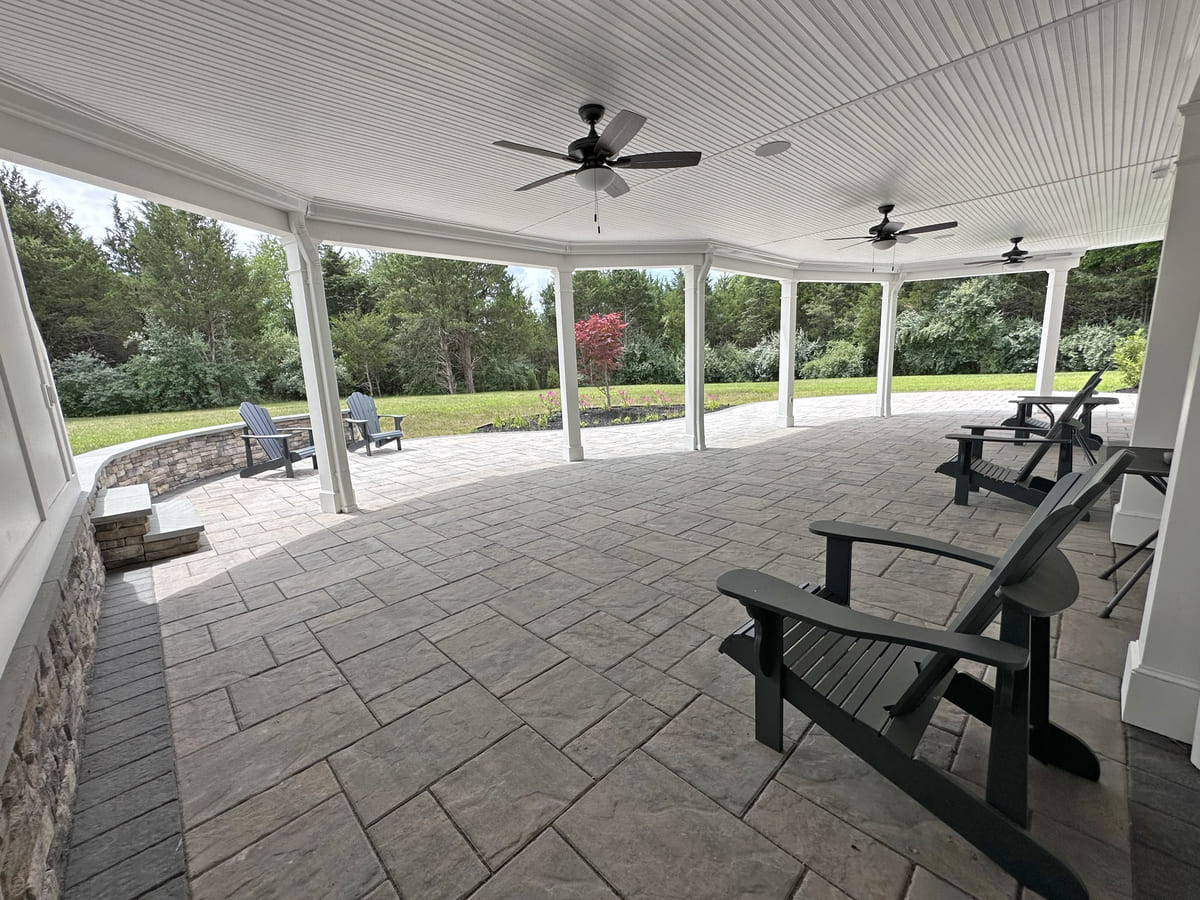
(1018,346)
(841,359)
(89,386)
(728,363)
(1128,357)
(515,374)
(1090,346)
(647,360)
(278,356)
(765,355)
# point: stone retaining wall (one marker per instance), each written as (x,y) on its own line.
(52,664)
(169,463)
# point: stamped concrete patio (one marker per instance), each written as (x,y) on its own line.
(501,678)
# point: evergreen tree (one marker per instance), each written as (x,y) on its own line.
(73,292)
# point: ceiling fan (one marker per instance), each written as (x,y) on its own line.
(596,154)
(888,233)
(1012,257)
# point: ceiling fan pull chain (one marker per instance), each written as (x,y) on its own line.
(596,209)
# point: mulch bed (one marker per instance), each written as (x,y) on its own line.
(589,418)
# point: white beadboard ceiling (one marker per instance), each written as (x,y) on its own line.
(1044,118)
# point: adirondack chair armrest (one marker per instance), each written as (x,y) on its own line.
(1032,439)
(757,590)
(980,430)
(866,534)
(246,436)
(396,420)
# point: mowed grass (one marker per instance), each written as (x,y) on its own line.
(462,413)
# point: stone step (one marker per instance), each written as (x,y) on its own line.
(171,519)
(119,503)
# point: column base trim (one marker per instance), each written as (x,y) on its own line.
(573,454)
(1129,527)
(1158,701)
(787,421)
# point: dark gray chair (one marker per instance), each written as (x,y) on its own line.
(364,416)
(873,684)
(1026,422)
(277,446)
(971,471)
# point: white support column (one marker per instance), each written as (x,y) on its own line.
(1056,292)
(695,282)
(1173,321)
(316,359)
(1161,688)
(568,375)
(787,351)
(887,346)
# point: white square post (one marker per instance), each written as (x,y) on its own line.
(317,362)
(887,346)
(787,351)
(695,282)
(568,370)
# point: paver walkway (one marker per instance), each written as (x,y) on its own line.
(500,678)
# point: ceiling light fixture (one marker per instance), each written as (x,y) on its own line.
(772,148)
(596,178)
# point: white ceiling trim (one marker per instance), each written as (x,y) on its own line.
(51,136)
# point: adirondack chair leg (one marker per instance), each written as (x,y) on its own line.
(1065,458)
(962,472)
(1008,752)
(1049,743)
(768,679)
(837,570)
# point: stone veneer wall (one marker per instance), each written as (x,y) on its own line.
(49,670)
(168,463)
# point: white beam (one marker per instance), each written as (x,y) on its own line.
(568,377)
(787,351)
(47,136)
(887,346)
(695,283)
(935,270)
(1056,292)
(316,359)
(1173,321)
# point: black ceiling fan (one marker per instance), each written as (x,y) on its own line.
(596,154)
(888,233)
(1013,257)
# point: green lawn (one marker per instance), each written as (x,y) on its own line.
(461,413)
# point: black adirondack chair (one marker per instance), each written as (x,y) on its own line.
(364,416)
(873,684)
(971,471)
(275,445)
(1026,422)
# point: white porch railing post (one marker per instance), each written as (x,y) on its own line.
(787,351)
(887,346)
(568,374)
(1173,321)
(695,282)
(316,360)
(1056,292)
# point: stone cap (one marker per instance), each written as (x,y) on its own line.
(118,503)
(173,518)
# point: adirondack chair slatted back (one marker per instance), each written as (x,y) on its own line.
(1062,425)
(1067,503)
(259,421)
(362,406)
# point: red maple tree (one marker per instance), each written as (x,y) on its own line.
(600,340)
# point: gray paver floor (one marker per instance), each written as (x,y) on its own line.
(501,676)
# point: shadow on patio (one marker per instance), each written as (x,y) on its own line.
(502,676)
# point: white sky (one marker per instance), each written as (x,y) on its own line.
(91,210)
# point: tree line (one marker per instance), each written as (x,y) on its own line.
(167,312)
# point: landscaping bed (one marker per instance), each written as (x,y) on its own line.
(592,417)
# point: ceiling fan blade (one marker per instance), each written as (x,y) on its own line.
(891,227)
(617,186)
(903,238)
(525,148)
(857,237)
(671,159)
(921,229)
(620,131)
(984,262)
(546,180)
(851,246)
